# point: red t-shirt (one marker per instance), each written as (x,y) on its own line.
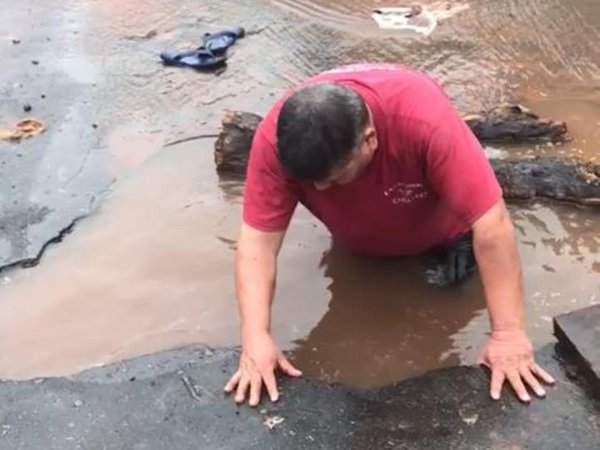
(428,182)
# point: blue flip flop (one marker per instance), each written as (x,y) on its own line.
(219,42)
(198,59)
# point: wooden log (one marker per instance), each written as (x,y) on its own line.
(233,144)
(515,123)
(552,178)
(523,179)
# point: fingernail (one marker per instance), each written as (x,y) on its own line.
(274,398)
(541,393)
(526,398)
(496,396)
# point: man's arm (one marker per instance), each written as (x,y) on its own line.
(509,353)
(460,173)
(255,273)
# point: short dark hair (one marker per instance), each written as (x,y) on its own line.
(318,128)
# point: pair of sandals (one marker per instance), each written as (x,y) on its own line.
(211,55)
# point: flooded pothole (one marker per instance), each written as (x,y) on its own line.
(154,270)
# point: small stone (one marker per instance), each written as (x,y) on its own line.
(94,126)
(43,95)
(27,107)
(16,41)
(272,422)
(35,62)
(470,419)
(77,403)
(571,372)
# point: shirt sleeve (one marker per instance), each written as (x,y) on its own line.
(270,196)
(457,166)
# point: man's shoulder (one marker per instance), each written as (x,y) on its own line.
(365,72)
(402,93)
(382,78)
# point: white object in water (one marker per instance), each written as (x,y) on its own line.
(410,18)
(418,19)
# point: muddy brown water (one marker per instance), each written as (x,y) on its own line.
(152,269)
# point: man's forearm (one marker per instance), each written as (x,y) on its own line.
(255,284)
(500,270)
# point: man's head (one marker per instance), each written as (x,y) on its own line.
(325,134)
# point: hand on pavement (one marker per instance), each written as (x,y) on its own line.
(259,359)
(509,355)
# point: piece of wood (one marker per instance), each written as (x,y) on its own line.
(232,147)
(552,178)
(515,123)
(522,179)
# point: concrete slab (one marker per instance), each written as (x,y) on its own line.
(144,403)
(579,334)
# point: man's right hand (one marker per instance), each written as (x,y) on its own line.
(259,359)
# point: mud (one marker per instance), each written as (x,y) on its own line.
(151,268)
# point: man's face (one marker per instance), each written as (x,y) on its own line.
(359,160)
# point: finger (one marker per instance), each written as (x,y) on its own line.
(532,382)
(496,384)
(287,367)
(542,374)
(233,381)
(517,384)
(271,385)
(255,388)
(242,388)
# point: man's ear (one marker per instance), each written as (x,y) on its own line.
(371,138)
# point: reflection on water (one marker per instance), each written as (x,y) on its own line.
(384,322)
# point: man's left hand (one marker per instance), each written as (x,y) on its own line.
(509,355)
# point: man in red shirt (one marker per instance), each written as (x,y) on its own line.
(380,156)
